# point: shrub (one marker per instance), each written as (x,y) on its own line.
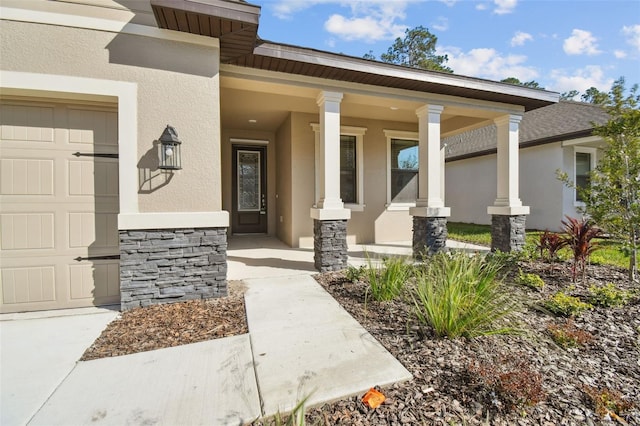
(567,306)
(580,232)
(568,335)
(509,380)
(530,280)
(608,295)
(354,274)
(461,295)
(606,401)
(387,280)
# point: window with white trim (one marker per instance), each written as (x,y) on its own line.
(402,169)
(351,165)
(584,163)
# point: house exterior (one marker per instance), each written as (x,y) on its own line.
(552,138)
(316,148)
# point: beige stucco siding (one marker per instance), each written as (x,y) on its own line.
(177,84)
(470,186)
(284,183)
(375,223)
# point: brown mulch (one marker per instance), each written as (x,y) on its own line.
(455,380)
(174,324)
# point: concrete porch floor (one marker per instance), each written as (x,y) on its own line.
(260,256)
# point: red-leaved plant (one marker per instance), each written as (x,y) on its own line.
(579,233)
(551,243)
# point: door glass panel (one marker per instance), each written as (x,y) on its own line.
(248,181)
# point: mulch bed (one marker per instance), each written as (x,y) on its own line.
(455,379)
(174,324)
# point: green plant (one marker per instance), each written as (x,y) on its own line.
(354,274)
(580,232)
(608,295)
(387,279)
(568,335)
(530,280)
(295,418)
(461,295)
(606,401)
(509,380)
(567,306)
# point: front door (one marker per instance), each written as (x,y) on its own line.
(249,189)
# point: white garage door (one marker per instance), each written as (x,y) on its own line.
(58,206)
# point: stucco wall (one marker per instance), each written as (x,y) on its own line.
(227,169)
(470,187)
(284,178)
(375,223)
(177,82)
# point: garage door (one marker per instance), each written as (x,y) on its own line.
(58,206)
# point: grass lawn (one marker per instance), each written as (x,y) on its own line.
(608,254)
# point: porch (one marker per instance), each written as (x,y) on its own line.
(263,256)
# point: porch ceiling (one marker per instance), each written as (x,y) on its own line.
(270,103)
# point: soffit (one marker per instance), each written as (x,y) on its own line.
(234,23)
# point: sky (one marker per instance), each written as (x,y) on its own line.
(561,44)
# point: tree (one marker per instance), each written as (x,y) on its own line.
(612,198)
(416,50)
(568,96)
(512,80)
(594,96)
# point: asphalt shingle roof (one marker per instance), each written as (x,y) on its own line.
(560,121)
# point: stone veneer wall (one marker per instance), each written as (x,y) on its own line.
(171,265)
(330,245)
(507,233)
(429,235)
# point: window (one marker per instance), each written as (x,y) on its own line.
(348,178)
(584,163)
(402,177)
(351,165)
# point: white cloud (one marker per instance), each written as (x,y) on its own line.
(633,35)
(449,3)
(370,21)
(481,6)
(441,24)
(489,63)
(620,54)
(504,7)
(580,80)
(520,38)
(366,28)
(581,42)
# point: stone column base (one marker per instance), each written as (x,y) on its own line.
(507,233)
(330,245)
(429,235)
(172,265)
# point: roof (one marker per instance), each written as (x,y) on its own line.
(235,23)
(564,120)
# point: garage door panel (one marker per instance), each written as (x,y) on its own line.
(93,127)
(27,123)
(56,207)
(21,176)
(27,231)
(83,276)
(28,285)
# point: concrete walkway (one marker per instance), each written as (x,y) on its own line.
(300,342)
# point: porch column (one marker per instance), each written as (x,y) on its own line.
(329,216)
(507,213)
(429,214)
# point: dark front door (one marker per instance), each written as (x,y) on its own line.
(249,189)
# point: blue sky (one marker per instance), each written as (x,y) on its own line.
(561,44)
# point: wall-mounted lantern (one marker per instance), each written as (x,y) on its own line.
(169,150)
